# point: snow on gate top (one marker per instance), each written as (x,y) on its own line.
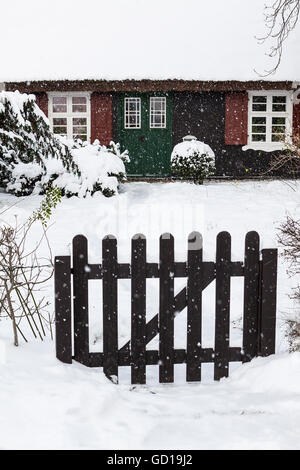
(135,39)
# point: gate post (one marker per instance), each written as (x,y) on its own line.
(63,314)
(268,281)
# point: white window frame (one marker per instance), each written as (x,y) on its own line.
(127,113)
(160,113)
(268,145)
(69,115)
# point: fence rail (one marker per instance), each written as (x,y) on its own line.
(259,313)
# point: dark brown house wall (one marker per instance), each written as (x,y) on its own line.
(203,115)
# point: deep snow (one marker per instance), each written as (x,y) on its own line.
(50,405)
(46,404)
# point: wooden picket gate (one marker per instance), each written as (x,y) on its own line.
(259,315)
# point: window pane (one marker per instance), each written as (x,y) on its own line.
(59,99)
(60,130)
(78,99)
(278,129)
(279,99)
(277,137)
(258,137)
(78,108)
(259,107)
(158,104)
(59,121)
(59,108)
(79,121)
(258,120)
(278,108)
(259,129)
(59,104)
(132,105)
(79,130)
(278,120)
(259,99)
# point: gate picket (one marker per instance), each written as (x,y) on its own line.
(80,295)
(110,307)
(166,309)
(223,259)
(251,296)
(268,302)
(138,309)
(194,307)
(63,310)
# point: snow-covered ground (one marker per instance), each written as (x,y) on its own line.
(47,404)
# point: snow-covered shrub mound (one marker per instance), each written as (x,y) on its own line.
(192,159)
(32,158)
(100,169)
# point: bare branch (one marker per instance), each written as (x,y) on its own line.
(280,19)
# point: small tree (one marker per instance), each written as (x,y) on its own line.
(26,142)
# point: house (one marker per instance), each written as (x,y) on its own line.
(146,74)
(242,121)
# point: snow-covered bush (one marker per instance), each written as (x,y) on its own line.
(100,169)
(33,159)
(193,160)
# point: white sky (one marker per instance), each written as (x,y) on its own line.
(118,39)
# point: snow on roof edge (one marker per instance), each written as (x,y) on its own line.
(152,79)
